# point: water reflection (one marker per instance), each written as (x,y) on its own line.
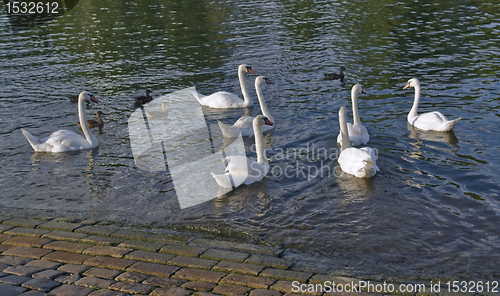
(421,136)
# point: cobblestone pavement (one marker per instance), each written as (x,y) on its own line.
(54,257)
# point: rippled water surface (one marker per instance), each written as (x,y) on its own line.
(433,209)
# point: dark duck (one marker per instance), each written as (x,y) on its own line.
(144,99)
(334,76)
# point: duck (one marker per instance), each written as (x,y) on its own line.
(242,170)
(225,100)
(244,124)
(360,162)
(431,121)
(358,135)
(158,114)
(144,99)
(334,76)
(94,123)
(64,140)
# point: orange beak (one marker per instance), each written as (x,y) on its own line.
(406,86)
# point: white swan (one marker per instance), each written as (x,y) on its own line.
(431,121)
(64,140)
(358,135)
(253,171)
(245,123)
(360,162)
(223,99)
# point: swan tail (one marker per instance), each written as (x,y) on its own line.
(222,180)
(450,124)
(34,141)
(228,131)
(195,94)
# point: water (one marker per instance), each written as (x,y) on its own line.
(431,212)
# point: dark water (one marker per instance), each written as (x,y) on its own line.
(432,211)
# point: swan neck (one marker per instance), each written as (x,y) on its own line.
(413,111)
(343,130)
(355,114)
(262,102)
(83,123)
(246,97)
(259,144)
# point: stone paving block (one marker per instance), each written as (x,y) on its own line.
(193,262)
(287,275)
(116,252)
(64,235)
(29,223)
(23,231)
(27,241)
(102,273)
(225,289)
(152,246)
(68,279)
(168,291)
(131,287)
(247,280)
(22,270)
(28,252)
(69,219)
(202,293)
(11,290)
(149,236)
(43,285)
(258,249)
(74,268)
(183,250)
(236,267)
(153,268)
(4,237)
(264,292)
(4,227)
(269,261)
(283,286)
(48,274)
(71,290)
(66,246)
(56,225)
(213,243)
(44,264)
(198,274)
(5,248)
(224,255)
(14,279)
(93,282)
(96,230)
(199,286)
(108,262)
(13,260)
(132,277)
(106,292)
(33,293)
(2,267)
(164,282)
(66,257)
(101,240)
(149,256)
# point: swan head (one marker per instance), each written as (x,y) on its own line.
(262,120)
(357,89)
(245,68)
(88,97)
(261,79)
(412,83)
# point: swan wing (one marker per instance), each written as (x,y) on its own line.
(244,122)
(228,131)
(59,141)
(236,170)
(358,135)
(222,99)
(433,121)
(256,172)
(360,162)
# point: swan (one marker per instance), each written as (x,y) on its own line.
(158,114)
(251,171)
(94,123)
(358,135)
(223,99)
(64,140)
(245,123)
(431,121)
(333,76)
(360,162)
(144,99)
